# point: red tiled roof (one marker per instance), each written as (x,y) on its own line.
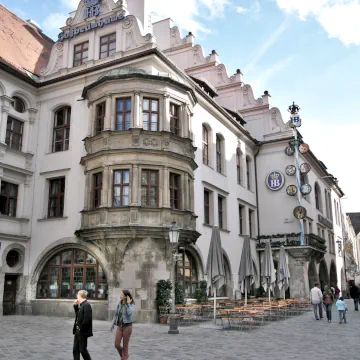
(21,44)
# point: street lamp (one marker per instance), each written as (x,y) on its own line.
(174,234)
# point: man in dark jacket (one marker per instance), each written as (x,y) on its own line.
(82,327)
(354,293)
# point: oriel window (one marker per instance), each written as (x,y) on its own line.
(123,114)
(174,119)
(149,188)
(97,189)
(151,114)
(121,188)
(175,191)
(100,117)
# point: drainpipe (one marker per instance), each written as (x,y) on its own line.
(257,206)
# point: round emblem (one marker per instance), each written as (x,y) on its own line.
(305,168)
(306,189)
(289,150)
(300,212)
(290,170)
(291,190)
(304,148)
(275,180)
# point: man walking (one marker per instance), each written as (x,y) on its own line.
(354,293)
(82,326)
(316,298)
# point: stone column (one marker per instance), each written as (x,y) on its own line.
(113,114)
(2,283)
(32,118)
(105,187)
(107,120)
(165,123)
(135,186)
(5,108)
(166,190)
(136,111)
(88,192)
(91,120)
(186,204)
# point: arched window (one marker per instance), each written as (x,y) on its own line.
(70,271)
(219,164)
(61,129)
(238,166)
(326,203)
(317,197)
(335,209)
(248,173)
(187,274)
(18,104)
(205,140)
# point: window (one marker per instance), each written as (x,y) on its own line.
(219,165)
(61,129)
(317,197)
(241,219)
(248,173)
(330,243)
(221,209)
(323,234)
(81,53)
(70,271)
(238,166)
(186,274)
(56,197)
(151,114)
(175,191)
(14,133)
(121,188)
(251,223)
(100,117)
(12,258)
(149,188)
(326,204)
(310,227)
(330,207)
(123,114)
(107,46)
(205,145)
(18,104)
(8,199)
(207,207)
(97,188)
(174,119)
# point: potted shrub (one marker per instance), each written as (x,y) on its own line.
(201,293)
(163,296)
(179,295)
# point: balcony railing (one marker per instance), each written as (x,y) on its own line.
(291,240)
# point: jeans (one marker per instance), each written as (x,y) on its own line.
(316,307)
(342,316)
(123,333)
(356,303)
(328,311)
(80,346)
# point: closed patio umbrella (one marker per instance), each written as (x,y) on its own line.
(215,265)
(283,273)
(246,268)
(268,277)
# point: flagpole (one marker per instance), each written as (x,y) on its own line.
(214,289)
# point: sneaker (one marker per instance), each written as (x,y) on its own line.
(317,319)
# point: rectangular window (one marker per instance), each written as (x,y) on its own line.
(248,177)
(149,188)
(251,223)
(310,227)
(97,188)
(123,114)
(81,52)
(8,199)
(207,207)
(100,117)
(151,114)
(238,167)
(62,129)
(56,197)
(14,133)
(205,140)
(241,219)
(107,46)
(221,209)
(175,191)
(121,188)
(174,119)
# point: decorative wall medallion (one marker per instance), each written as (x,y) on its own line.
(292,190)
(300,212)
(305,168)
(304,148)
(135,140)
(147,142)
(289,150)
(154,142)
(306,189)
(275,180)
(290,170)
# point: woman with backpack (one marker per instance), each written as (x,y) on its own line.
(328,300)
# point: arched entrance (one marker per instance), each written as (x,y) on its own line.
(312,274)
(333,274)
(323,275)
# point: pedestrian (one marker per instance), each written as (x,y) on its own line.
(328,302)
(123,320)
(342,308)
(354,293)
(82,327)
(337,292)
(316,298)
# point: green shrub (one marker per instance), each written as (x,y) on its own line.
(179,294)
(201,292)
(163,293)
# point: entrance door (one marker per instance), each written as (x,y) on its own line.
(9,295)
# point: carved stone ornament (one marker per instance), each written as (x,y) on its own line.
(127,23)
(154,142)
(69,21)
(135,140)
(147,142)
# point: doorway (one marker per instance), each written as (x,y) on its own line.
(9,300)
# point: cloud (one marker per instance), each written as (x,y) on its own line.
(241,10)
(339,18)
(254,8)
(70,4)
(53,22)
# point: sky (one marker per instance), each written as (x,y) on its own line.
(307,51)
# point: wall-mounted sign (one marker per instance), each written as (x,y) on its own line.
(275,180)
(292,190)
(90,26)
(305,168)
(300,212)
(304,148)
(325,222)
(306,189)
(290,170)
(92,8)
(289,150)
(295,120)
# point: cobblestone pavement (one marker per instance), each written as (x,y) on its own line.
(299,337)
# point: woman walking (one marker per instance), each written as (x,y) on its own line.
(328,299)
(123,320)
